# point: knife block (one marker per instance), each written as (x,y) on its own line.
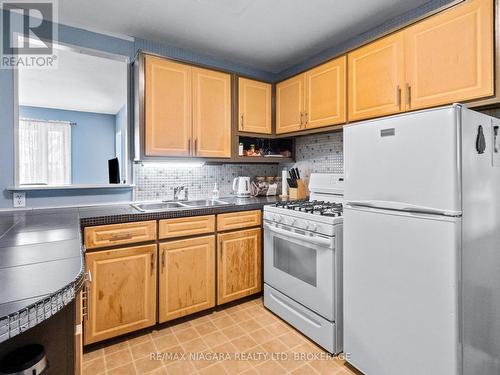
(300,192)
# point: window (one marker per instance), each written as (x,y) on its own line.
(44,152)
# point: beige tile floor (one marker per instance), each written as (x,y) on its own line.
(269,345)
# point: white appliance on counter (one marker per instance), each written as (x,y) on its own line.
(303,261)
(241,187)
(422,244)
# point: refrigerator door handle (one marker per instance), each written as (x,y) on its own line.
(401,206)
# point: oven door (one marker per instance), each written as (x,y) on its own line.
(300,264)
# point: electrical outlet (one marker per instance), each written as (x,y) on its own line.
(19,198)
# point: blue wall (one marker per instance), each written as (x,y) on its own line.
(92,141)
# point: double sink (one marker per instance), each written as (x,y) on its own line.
(176,205)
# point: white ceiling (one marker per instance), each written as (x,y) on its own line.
(80,82)
(266,34)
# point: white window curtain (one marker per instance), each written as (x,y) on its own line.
(44,152)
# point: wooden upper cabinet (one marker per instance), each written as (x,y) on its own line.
(122,294)
(290,104)
(449,56)
(254,106)
(211,113)
(376,78)
(239,271)
(326,94)
(168,107)
(187,277)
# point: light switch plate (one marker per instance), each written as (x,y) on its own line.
(19,198)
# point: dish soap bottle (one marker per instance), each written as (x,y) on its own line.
(215,192)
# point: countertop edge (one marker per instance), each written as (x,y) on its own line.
(18,322)
(93,220)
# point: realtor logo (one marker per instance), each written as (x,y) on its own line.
(29,29)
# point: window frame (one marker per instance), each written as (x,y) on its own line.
(127,178)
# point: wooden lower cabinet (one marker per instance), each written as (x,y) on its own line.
(122,294)
(239,271)
(187,277)
(239,220)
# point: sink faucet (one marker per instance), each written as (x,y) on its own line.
(177,190)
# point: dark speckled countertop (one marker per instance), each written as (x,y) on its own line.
(99,215)
(41,254)
(41,266)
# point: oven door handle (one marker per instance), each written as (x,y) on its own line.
(315,240)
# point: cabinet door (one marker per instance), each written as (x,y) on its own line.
(239,270)
(187,277)
(325,94)
(211,113)
(290,104)
(376,78)
(122,294)
(168,107)
(449,57)
(254,106)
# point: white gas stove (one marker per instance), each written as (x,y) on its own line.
(303,261)
(319,213)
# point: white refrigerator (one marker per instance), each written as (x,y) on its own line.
(422,244)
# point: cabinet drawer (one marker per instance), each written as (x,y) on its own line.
(186,226)
(237,220)
(119,234)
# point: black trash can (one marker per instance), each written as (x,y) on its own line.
(25,360)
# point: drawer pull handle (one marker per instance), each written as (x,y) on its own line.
(122,236)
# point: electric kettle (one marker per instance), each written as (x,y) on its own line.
(241,187)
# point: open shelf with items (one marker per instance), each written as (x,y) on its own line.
(265,150)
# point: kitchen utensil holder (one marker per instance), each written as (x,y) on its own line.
(300,192)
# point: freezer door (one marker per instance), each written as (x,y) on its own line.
(410,159)
(401,288)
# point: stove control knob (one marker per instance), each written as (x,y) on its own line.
(312,226)
(278,218)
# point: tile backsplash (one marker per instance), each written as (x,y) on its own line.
(321,153)
(155,182)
